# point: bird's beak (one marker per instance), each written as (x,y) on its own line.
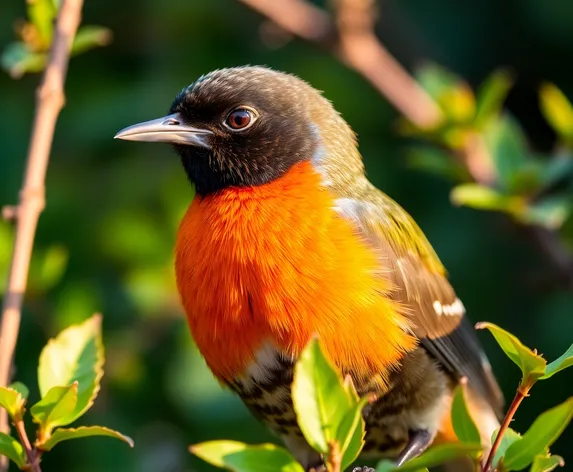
(168,129)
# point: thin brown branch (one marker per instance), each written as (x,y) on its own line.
(49,102)
(354,42)
(519,396)
(31,454)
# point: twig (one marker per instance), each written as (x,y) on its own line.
(355,43)
(353,40)
(334,458)
(49,102)
(31,453)
(519,396)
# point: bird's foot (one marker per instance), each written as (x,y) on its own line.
(418,442)
(363,469)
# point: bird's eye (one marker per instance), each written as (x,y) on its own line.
(240,119)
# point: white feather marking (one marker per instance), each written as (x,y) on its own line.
(455,309)
(266,360)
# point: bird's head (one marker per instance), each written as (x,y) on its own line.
(246,126)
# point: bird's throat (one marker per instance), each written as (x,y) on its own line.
(275,263)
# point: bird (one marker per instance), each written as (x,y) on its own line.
(286,239)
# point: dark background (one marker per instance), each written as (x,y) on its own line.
(113,207)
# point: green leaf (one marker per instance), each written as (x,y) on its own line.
(491,95)
(546,463)
(557,110)
(75,355)
(63,434)
(319,399)
(509,437)
(18,59)
(531,364)
(542,434)
(89,37)
(12,401)
(435,456)
(454,96)
(350,434)
(13,450)
(48,268)
(550,212)
(508,148)
(389,466)
(464,426)
(21,389)
(55,408)
(484,198)
(42,14)
(562,362)
(241,457)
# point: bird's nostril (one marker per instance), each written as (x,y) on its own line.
(171,122)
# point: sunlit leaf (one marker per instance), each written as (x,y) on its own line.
(562,362)
(435,456)
(389,466)
(55,408)
(454,96)
(13,450)
(42,13)
(464,426)
(64,434)
(351,433)
(542,434)
(241,457)
(546,463)
(531,364)
(76,354)
(436,80)
(557,110)
(490,96)
(319,399)
(12,401)
(509,437)
(481,197)
(507,145)
(89,37)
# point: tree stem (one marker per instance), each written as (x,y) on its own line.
(31,453)
(49,102)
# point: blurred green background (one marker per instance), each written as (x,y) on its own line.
(105,240)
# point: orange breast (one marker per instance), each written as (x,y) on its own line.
(276,263)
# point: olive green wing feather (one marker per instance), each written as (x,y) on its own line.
(421,286)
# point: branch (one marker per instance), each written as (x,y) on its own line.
(353,41)
(49,102)
(31,454)
(519,396)
(351,38)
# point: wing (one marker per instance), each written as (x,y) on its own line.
(422,287)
